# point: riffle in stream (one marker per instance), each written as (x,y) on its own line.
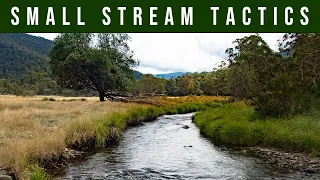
(165,149)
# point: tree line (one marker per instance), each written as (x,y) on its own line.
(204,83)
(277,83)
(280,83)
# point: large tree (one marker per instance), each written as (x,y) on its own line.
(149,84)
(250,66)
(279,84)
(100,62)
(305,49)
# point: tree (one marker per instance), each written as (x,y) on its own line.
(249,66)
(265,77)
(220,83)
(40,82)
(101,62)
(305,49)
(186,84)
(207,83)
(148,84)
(278,84)
(172,88)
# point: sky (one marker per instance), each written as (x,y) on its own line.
(182,52)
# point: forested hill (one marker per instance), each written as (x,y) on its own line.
(22,52)
(137,74)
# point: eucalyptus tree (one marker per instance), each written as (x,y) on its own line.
(100,62)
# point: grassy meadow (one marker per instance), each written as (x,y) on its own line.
(238,124)
(40,128)
(37,127)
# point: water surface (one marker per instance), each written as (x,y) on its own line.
(164,150)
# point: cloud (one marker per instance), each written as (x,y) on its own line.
(186,52)
(172,52)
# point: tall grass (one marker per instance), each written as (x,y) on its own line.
(110,127)
(34,131)
(238,124)
(37,173)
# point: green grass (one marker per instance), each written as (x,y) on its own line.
(238,124)
(37,173)
(108,128)
(111,126)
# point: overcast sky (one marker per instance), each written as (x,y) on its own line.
(184,52)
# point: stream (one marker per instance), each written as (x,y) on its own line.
(163,149)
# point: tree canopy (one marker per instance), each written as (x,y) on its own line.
(278,83)
(101,62)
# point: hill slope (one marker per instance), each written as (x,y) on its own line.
(22,52)
(137,74)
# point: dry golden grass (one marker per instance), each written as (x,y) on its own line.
(31,127)
(163,100)
(42,127)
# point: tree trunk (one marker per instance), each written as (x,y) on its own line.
(102,96)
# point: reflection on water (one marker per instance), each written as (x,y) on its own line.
(164,150)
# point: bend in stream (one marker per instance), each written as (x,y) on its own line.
(164,150)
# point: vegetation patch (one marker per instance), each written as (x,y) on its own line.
(38,132)
(110,127)
(238,124)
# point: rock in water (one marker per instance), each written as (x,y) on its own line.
(310,170)
(185,127)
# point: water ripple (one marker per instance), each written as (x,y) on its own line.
(164,150)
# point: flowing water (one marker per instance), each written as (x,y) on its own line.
(164,150)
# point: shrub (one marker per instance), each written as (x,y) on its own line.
(52,99)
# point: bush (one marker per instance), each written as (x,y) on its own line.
(52,99)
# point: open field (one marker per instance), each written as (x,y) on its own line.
(25,118)
(34,128)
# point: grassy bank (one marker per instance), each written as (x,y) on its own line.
(37,129)
(238,124)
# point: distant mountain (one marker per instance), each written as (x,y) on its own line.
(170,75)
(137,74)
(286,54)
(22,52)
